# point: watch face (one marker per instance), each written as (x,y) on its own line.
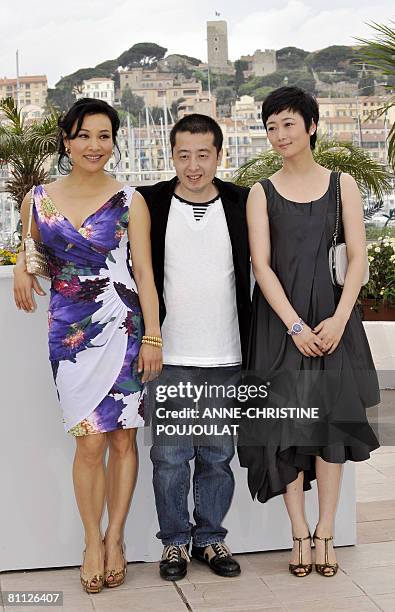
(297,328)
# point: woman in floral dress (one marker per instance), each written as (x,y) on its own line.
(91,226)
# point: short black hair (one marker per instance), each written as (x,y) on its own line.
(77,112)
(295,99)
(198,124)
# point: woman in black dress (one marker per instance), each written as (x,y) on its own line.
(307,337)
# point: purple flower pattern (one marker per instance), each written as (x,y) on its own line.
(83,317)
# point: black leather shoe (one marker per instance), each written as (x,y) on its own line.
(218,557)
(173,565)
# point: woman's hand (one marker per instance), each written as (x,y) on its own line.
(330,332)
(150,362)
(308,343)
(24,285)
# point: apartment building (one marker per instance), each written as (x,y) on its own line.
(154,86)
(203,104)
(354,106)
(98,87)
(32,90)
(356,120)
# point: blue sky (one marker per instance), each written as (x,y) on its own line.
(57,38)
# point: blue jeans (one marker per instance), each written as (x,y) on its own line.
(213,480)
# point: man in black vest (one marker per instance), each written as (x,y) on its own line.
(201,266)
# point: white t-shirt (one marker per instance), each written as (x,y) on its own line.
(201,324)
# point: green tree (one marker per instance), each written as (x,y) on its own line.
(156,113)
(291,58)
(336,57)
(191,60)
(225,95)
(145,54)
(131,103)
(380,54)
(240,66)
(371,175)
(366,84)
(306,82)
(25,146)
(261,93)
(60,98)
(174,106)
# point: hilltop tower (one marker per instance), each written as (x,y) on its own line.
(217,44)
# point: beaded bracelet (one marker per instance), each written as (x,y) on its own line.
(152,340)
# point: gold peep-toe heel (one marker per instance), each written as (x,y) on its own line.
(322,568)
(93,584)
(300,570)
(118,576)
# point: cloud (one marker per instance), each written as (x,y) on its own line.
(57,38)
(303,24)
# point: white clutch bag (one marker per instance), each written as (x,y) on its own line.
(338,260)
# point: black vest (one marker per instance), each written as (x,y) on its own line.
(158,198)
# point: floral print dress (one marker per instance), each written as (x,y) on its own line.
(95,319)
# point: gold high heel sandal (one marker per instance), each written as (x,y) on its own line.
(118,576)
(93,584)
(300,570)
(322,568)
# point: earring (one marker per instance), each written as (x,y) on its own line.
(68,151)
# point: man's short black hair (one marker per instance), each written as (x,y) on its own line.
(296,100)
(198,124)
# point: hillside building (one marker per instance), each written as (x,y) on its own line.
(261,63)
(32,90)
(98,87)
(153,86)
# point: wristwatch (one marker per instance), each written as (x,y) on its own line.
(296,328)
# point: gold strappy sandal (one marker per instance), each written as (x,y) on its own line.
(325,569)
(118,576)
(94,584)
(300,570)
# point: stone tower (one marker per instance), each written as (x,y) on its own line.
(217,44)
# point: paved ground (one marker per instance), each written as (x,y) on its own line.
(365,581)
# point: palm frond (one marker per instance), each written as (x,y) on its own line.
(370,175)
(25,146)
(380,54)
(370,211)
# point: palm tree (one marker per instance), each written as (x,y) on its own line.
(380,53)
(25,146)
(390,217)
(370,175)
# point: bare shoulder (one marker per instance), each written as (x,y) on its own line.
(26,201)
(349,190)
(348,182)
(257,194)
(54,187)
(138,199)
(257,190)
(139,208)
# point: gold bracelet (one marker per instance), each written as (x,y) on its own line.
(153,338)
(152,343)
